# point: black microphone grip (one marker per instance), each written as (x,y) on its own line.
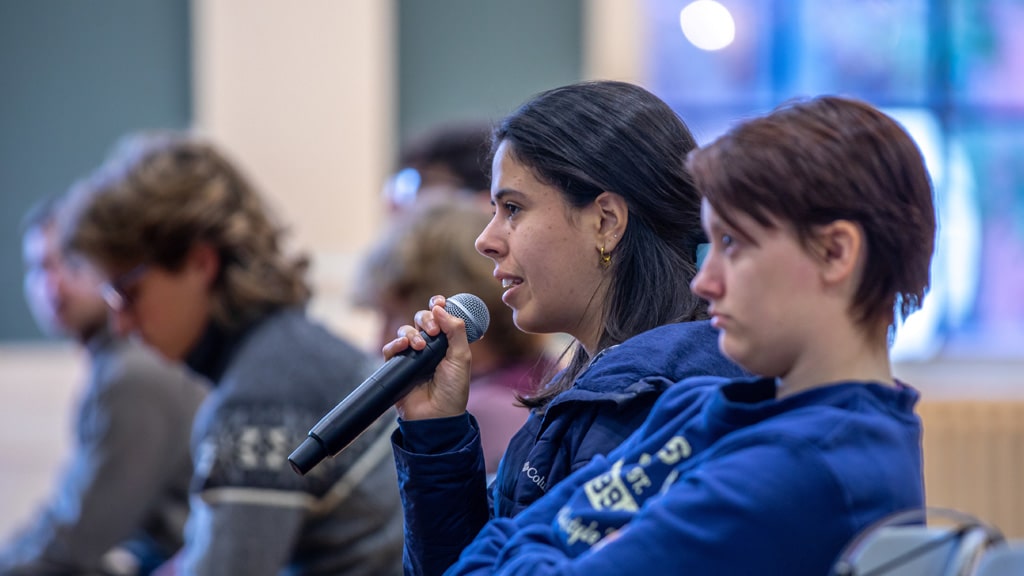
(385,387)
(367,402)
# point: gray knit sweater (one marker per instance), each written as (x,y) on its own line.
(126,485)
(252,514)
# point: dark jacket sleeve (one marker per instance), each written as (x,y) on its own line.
(442,479)
(610,425)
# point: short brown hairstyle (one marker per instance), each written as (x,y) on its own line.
(160,193)
(813,162)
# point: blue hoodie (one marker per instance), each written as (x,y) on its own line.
(440,464)
(723,479)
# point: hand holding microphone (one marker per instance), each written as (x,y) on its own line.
(446,393)
(413,359)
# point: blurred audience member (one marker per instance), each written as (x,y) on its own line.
(428,251)
(122,501)
(447,162)
(196,266)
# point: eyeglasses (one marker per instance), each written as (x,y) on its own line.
(118,293)
(402,188)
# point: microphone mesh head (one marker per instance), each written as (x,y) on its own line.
(472,310)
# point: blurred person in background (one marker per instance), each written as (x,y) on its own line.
(195,263)
(122,500)
(449,161)
(429,250)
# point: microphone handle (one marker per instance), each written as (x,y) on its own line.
(379,392)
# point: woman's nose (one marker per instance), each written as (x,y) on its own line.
(707,283)
(488,242)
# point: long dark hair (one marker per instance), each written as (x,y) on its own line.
(592,137)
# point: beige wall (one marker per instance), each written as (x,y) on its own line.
(302,95)
(613,40)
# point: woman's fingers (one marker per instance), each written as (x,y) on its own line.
(455,329)
(446,392)
(426,321)
(436,300)
(407,337)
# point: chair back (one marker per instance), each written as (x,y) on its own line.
(1003,561)
(907,545)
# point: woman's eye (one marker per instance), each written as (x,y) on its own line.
(727,240)
(512,209)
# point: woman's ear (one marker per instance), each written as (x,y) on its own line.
(840,247)
(205,260)
(613,214)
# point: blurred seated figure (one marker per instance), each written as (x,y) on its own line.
(195,266)
(429,250)
(448,162)
(122,501)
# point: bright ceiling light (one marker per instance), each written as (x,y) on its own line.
(707,25)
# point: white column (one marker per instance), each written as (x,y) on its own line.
(613,40)
(302,95)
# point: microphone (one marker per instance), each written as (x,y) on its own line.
(389,384)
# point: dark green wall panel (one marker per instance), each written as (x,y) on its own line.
(468,59)
(73,77)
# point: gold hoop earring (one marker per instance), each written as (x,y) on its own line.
(606,258)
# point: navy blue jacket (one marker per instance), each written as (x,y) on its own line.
(723,479)
(441,467)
